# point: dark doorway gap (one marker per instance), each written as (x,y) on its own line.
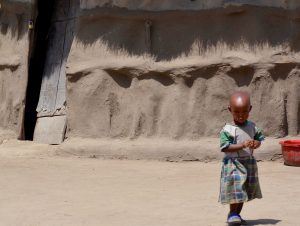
(36,64)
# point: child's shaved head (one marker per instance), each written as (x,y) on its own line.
(240,106)
(240,98)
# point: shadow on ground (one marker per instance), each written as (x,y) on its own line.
(260,222)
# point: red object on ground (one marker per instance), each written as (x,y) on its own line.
(291,152)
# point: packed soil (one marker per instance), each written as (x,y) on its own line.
(40,188)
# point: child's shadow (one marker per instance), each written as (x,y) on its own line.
(263,222)
(259,222)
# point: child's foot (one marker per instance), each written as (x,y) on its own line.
(243,222)
(234,219)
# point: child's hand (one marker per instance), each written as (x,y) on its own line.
(256,144)
(253,144)
(248,144)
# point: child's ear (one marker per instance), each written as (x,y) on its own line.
(229,108)
(250,108)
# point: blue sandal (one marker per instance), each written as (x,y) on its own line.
(234,218)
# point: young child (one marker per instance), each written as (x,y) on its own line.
(239,178)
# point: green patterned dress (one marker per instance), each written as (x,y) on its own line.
(239,176)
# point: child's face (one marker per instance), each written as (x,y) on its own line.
(240,113)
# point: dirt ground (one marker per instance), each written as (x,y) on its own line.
(41,188)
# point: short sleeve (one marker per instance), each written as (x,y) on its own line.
(225,139)
(259,134)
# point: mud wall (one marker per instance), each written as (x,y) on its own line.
(164,68)
(163,5)
(143,69)
(14,49)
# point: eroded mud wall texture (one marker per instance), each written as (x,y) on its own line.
(142,69)
(14,17)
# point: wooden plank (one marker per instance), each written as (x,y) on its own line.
(52,101)
(53,89)
(50,130)
(52,71)
(61,91)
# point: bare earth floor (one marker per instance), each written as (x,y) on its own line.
(38,190)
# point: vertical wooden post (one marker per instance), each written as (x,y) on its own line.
(51,122)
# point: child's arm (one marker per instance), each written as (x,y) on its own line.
(258,138)
(256,144)
(237,147)
(227,143)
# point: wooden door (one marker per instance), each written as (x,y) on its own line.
(51,110)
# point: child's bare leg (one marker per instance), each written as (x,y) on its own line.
(239,208)
(234,207)
(234,210)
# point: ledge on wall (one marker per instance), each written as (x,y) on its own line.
(206,149)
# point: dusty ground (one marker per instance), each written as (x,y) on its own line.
(38,188)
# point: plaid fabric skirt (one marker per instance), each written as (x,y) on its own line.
(239,180)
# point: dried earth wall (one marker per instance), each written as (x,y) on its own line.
(163,68)
(144,69)
(14,51)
